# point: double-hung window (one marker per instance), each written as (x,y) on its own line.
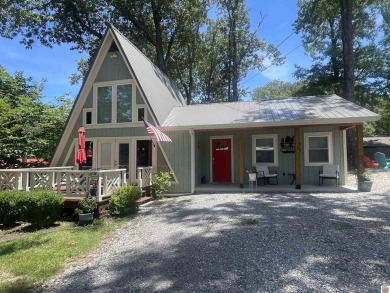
(318,148)
(114,103)
(264,149)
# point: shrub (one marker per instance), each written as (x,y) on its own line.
(86,205)
(160,184)
(123,201)
(43,208)
(12,207)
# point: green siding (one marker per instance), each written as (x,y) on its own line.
(89,101)
(113,69)
(139,100)
(178,153)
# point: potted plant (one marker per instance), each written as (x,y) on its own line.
(86,209)
(364,182)
(252,174)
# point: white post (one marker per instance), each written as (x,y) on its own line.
(59,175)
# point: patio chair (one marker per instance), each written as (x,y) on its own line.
(369,163)
(264,175)
(382,161)
(329,171)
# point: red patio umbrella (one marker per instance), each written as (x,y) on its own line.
(81,157)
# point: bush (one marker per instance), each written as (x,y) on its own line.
(160,184)
(43,208)
(12,207)
(86,205)
(123,201)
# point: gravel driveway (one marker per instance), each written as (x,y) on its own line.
(244,243)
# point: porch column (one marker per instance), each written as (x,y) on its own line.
(297,158)
(241,157)
(359,149)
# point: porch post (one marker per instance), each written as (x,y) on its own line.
(241,156)
(359,149)
(297,158)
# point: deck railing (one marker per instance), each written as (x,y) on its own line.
(64,180)
(144,177)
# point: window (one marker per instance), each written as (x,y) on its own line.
(264,149)
(114,102)
(124,103)
(104,104)
(141,114)
(318,148)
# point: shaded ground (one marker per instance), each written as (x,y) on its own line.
(243,243)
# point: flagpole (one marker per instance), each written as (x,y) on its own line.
(151,138)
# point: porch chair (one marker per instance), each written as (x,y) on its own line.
(382,160)
(329,171)
(369,163)
(264,175)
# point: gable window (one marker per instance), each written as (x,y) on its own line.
(124,103)
(104,104)
(114,102)
(264,150)
(318,148)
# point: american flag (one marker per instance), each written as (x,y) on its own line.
(160,136)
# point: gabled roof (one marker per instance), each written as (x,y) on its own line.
(160,92)
(292,111)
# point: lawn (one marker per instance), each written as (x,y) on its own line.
(32,258)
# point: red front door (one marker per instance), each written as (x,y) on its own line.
(222,160)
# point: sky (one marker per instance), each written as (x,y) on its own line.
(55,65)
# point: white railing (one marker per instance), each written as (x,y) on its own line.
(144,177)
(64,180)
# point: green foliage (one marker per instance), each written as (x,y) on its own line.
(364,177)
(39,207)
(12,207)
(86,205)
(161,182)
(320,24)
(277,89)
(123,201)
(28,127)
(43,208)
(35,256)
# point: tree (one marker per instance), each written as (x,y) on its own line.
(231,50)
(277,89)
(158,27)
(28,127)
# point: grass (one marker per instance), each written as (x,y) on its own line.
(27,261)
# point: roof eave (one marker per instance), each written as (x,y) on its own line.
(284,123)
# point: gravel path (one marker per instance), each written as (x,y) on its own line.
(244,243)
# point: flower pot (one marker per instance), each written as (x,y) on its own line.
(365,186)
(85,218)
(252,176)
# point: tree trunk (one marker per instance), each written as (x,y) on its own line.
(348,54)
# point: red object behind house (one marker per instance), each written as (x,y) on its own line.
(369,163)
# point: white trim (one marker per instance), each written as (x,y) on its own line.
(262,124)
(192,134)
(141,106)
(329,136)
(275,146)
(231,155)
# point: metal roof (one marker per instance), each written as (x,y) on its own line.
(160,92)
(309,110)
